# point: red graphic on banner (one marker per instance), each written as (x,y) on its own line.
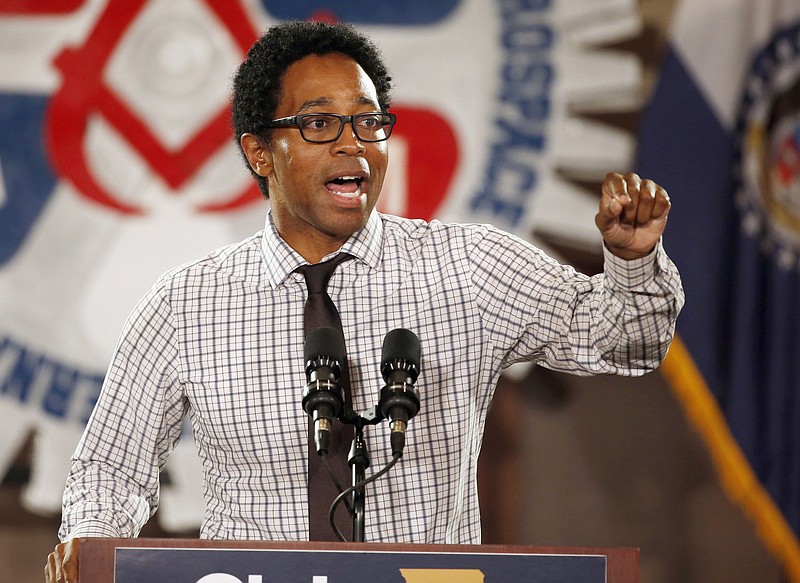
(432,159)
(432,147)
(28,7)
(84,93)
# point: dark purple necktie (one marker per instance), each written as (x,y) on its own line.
(321,311)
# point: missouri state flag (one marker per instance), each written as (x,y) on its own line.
(722,134)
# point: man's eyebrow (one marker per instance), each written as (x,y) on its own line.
(364,100)
(314,103)
(323,101)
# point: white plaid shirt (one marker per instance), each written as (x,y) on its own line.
(222,340)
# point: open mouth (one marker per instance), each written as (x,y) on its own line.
(345,185)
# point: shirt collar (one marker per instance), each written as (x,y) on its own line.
(281,260)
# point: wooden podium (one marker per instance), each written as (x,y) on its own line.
(105,560)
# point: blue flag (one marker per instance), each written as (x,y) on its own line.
(722,134)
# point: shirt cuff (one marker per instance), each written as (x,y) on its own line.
(93,529)
(632,273)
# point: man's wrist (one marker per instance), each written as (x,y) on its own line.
(630,273)
(627,254)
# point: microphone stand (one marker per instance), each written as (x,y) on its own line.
(358,460)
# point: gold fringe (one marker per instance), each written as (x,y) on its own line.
(737,477)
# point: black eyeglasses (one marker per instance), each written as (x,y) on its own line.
(320,128)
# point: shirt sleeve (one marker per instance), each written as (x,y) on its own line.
(535,309)
(113,485)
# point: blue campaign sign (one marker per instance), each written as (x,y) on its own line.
(144,565)
(410,12)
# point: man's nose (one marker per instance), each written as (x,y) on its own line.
(348,141)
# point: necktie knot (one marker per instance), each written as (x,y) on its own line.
(318,275)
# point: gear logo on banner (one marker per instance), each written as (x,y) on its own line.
(117,163)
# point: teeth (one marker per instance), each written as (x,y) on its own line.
(347,186)
(342,180)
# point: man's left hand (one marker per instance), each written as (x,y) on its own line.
(632,216)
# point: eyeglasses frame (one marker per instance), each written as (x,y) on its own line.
(295,121)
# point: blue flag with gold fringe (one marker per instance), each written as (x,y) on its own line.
(722,134)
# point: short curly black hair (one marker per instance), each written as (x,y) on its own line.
(257,83)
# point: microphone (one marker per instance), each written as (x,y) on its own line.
(322,396)
(399,399)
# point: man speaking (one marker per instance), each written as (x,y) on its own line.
(221,340)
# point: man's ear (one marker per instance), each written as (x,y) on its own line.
(258,154)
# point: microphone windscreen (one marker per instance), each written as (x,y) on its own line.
(325,341)
(401,344)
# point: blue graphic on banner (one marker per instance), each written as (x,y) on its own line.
(35,380)
(409,12)
(28,181)
(523,111)
(143,565)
